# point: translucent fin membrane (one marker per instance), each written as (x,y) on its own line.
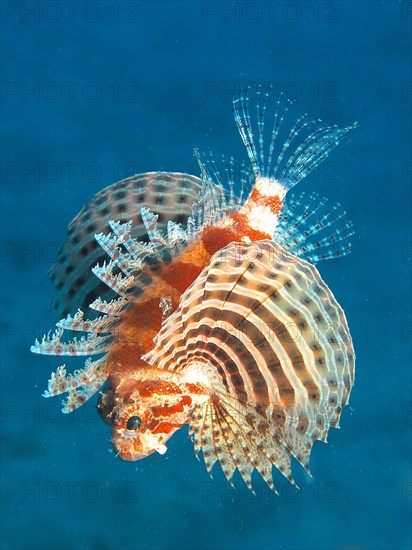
(136,248)
(117,283)
(220,431)
(125,262)
(293,150)
(235,178)
(216,201)
(312,229)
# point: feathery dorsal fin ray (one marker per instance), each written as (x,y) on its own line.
(227,174)
(80,386)
(277,167)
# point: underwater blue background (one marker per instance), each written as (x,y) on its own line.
(125,87)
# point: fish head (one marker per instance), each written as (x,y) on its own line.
(146,413)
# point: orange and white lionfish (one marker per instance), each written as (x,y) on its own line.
(212,312)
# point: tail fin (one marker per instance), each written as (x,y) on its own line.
(290,162)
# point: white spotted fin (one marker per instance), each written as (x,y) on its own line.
(168,195)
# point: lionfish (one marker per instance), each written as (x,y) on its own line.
(212,312)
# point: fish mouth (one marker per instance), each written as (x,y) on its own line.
(130,448)
(130,456)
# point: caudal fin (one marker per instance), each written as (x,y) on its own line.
(281,152)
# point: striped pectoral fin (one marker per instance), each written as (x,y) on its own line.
(298,440)
(238,437)
(271,336)
(301,433)
(168,195)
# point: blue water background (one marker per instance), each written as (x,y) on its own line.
(165,72)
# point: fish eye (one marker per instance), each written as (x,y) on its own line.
(134,423)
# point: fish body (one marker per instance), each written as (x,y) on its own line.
(138,326)
(224,324)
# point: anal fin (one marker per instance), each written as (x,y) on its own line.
(309,227)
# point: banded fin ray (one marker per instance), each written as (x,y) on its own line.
(278,341)
(78,323)
(92,344)
(112,308)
